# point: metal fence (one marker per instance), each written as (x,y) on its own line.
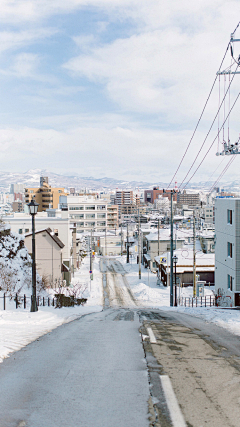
(23,301)
(207,301)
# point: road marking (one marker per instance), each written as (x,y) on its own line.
(172,403)
(151,336)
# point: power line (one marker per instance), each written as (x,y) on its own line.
(229,44)
(199,151)
(223,172)
(212,143)
(210,93)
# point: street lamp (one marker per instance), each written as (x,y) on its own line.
(175,260)
(33,208)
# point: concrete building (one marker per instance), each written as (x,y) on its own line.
(227,250)
(151,195)
(45,195)
(189,199)
(85,212)
(112,216)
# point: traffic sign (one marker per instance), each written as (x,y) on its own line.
(90,271)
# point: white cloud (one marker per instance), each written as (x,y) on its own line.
(163,70)
(125,152)
(25,64)
(17,39)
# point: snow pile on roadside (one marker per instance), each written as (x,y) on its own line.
(226,318)
(20,327)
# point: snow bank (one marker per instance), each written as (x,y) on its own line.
(20,327)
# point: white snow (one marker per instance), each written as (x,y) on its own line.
(19,327)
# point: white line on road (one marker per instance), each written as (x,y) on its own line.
(172,403)
(151,336)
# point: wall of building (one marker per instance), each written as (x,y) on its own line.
(227,234)
(48,257)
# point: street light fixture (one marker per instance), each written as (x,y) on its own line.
(33,208)
(175,260)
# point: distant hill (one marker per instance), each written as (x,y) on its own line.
(31,178)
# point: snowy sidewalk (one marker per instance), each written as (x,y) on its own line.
(20,327)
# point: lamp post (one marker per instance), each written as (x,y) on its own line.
(33,208)
(175,260)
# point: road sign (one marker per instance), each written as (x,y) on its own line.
(163,260)
(90,271)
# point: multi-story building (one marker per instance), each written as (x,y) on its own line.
(45,195)
(227,250)
(151,195)
(189,199)
(85,212)
(125,197)
(112,216)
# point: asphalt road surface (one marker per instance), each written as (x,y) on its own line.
(127,366)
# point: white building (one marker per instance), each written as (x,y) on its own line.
(227,250)
(21,223)
(90,212)
(48,255)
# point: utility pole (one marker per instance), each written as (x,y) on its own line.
(127,246)
(171,250)
(91,253)
(105,241)
(171,254)
(158,238)
(194,256)
(139,246)
(121,239)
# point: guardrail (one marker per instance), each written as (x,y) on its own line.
(207,301)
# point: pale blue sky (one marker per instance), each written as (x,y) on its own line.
(109,87)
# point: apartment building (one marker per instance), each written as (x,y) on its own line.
(86,212)
(112,216)
(189,199)
(45,195)
(227,250)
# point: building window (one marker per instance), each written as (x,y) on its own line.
(101,215)
(76,208)
(26,230)
(229,216)
(230,282)
(89,216)
(230,249)
(90,208)
(20,231)
(101,207)
(101,224)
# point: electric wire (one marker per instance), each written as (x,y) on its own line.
(209,95)
(208,181)
(223,172)
(211,144)
(200,118)
(222,127)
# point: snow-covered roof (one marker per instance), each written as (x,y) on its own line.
(204,261)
